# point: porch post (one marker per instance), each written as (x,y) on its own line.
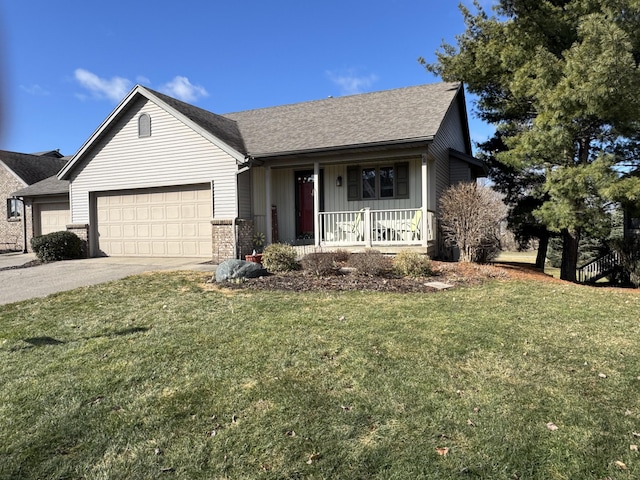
(316,203)
(425,201)
(267,206)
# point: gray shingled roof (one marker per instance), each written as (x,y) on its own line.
(32,168)
(410,114)
(48,186)
(223,128)
(391,116)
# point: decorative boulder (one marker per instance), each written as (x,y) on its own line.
(234,269)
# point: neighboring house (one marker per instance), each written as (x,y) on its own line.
(161,177)
(18,171)
(47,206)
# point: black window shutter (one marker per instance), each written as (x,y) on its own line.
(402,180)
(353,183)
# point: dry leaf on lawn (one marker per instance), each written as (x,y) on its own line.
(444,451)
(620,465)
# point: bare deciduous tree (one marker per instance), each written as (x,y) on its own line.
(470,217)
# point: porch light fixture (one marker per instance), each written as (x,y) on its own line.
(339,181)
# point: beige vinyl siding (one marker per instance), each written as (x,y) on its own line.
(283,197)
(244,195)
(258,199)
(174,154)
(450,135)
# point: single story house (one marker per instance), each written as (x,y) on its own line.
(160,177)
(17,171)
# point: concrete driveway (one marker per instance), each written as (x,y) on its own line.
(42,280)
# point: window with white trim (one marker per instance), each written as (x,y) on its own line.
(379,182)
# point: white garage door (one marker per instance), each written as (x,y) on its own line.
(166,222)
(54,217)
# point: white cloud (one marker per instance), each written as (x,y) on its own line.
(35,90)
(142,80)
(350,83)
(182,89)
(114,89)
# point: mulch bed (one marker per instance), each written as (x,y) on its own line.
(450,273)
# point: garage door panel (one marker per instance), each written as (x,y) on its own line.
(173,212)
(142,213)
(174,230)
(54,217)
(165,222)
(158,231)
(159,249)
(129,231)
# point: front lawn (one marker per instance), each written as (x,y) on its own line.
(156,377)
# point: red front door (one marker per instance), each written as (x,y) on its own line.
(304,205)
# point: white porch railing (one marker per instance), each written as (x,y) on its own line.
(368,227)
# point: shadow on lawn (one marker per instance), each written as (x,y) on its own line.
(42,341)
(46,341)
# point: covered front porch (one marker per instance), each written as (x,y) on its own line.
(363,203)
(369,227)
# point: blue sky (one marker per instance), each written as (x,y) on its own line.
(66,64)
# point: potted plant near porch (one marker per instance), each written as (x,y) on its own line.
(258,243)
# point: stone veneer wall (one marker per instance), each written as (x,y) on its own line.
(11,236)
(82,231)
(223,239)
(245,237)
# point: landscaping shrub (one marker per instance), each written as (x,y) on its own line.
(341,255)
(470,217)
(410,263)
(320,263)
(55,246)
(279,257)
(371,263)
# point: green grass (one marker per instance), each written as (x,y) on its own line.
(153,377)
(527,257)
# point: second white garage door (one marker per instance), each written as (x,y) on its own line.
(166,222)
(53,217)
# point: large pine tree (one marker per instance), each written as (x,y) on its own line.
(560,81)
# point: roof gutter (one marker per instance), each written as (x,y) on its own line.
(361,146)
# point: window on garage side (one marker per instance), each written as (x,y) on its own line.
(144,125)
(14,209)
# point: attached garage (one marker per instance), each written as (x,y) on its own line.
(168,221)
(53,217)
